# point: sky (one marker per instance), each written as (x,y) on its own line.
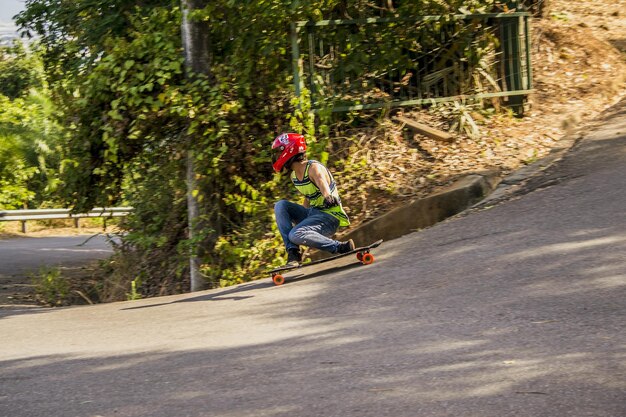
(9,8)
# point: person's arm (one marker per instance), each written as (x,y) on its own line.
(306,203)
(319,175)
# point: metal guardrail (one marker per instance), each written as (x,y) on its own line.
(48,214)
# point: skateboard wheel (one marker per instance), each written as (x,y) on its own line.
(367,258)
(359,256)
(278,279)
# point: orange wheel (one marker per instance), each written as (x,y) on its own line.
(359,256)
(278,279)
(368,258)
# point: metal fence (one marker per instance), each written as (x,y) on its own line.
(387,62)
(48,214)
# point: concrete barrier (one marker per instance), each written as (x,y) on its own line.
(425,212)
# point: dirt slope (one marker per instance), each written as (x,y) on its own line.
(579,69)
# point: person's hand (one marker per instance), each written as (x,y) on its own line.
(331,201)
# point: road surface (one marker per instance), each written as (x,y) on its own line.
(23,257)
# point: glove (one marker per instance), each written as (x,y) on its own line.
(331,201)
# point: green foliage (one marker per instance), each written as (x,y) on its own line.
(19,71)
(15,172)
(14,178)
(130,106)
(73,32)
(51,288)
(54,288)
(460,116)
(243,256)
(132,114)
(29,136)
(400,58)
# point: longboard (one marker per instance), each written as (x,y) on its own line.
(362,253)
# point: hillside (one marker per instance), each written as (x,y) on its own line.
(579,69)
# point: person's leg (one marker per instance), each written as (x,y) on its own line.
(288,214)
(315,232)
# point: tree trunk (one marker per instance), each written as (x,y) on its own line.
(195,37)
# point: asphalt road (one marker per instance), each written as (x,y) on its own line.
(514,309)
(22,258)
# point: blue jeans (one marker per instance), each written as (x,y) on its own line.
(311,227)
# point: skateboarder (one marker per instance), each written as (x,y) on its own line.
(313,223)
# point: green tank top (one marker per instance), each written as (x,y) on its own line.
(312,192)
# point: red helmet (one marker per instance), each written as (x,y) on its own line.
(285,147)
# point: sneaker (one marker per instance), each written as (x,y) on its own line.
(294,257)
(345,247)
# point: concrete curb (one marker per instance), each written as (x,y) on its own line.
(427,211)
(514,181)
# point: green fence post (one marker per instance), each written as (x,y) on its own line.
(529,67)
(510,34)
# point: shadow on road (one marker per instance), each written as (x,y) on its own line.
(227,293)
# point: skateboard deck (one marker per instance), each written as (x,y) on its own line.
(362,253)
